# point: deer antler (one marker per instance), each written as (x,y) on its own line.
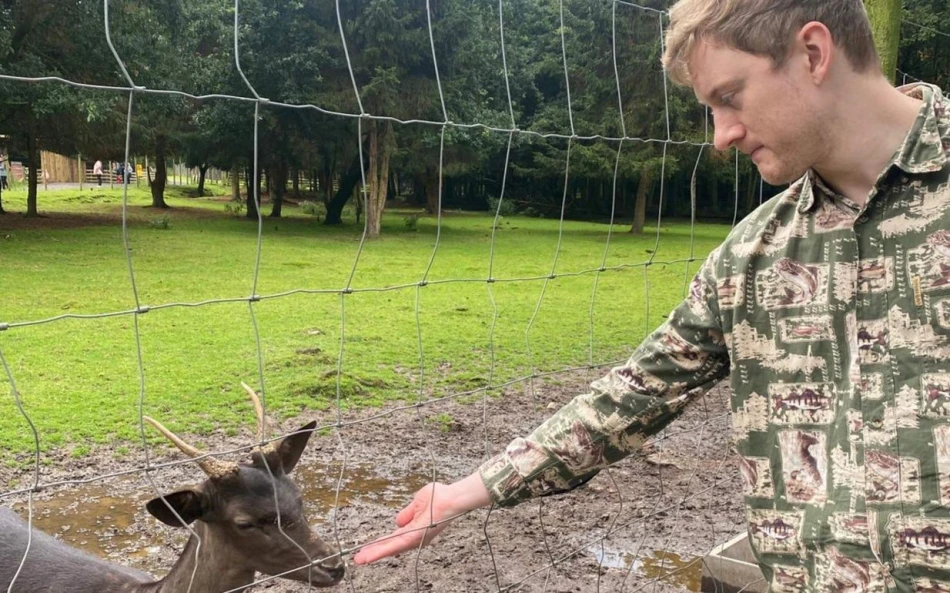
(259,410)
(215,468)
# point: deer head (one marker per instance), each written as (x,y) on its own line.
(252,513)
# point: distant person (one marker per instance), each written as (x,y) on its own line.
(97,171)
(119,173)
(3,174)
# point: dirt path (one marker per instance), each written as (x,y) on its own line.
(665,508)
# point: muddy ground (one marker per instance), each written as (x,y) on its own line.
(666,508)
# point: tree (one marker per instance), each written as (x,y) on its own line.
(168,45)
(885,18)
(925,48)
(48,114)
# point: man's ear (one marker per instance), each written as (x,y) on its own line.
(818,47)
(189,504)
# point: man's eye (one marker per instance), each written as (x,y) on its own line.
(726,100)
(244,525)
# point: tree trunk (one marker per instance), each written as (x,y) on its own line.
(202,172)
(326,187)
(34,156)
(348,182)
(644,189)
(278,187)
(713,198)
(253,183)
(161,174)
(296,183)
(885,18)
(380,150)
(235,182)
(431,188)
(391,192)
(419,189)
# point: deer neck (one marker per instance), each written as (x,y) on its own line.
(208,568)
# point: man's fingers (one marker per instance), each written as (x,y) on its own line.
(408,513)
(389,546)
(420,504)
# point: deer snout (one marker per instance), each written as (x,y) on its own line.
(330,563)
(331,570)
(336,569)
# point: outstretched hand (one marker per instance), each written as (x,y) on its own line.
(429,513)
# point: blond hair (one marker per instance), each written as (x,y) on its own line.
(764,28)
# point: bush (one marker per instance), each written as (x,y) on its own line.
(162,223)
(235,207)
(507,207)
(412,222)
(317,209)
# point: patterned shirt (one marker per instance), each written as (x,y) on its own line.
(833,323)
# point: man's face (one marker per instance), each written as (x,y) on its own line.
(766,112)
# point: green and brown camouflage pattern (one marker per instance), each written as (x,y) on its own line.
(833,324)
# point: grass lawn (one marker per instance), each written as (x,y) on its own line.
(79,378)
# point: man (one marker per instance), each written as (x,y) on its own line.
(828,307)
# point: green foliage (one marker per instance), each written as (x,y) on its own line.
(234,207)
(924,47)
(293,53)
(507,207)
(443,421)
(412,222)
(162,223)
(316,209)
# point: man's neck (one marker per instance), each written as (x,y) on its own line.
(871,128)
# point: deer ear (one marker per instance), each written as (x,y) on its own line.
(189,504)
(291,447)
(284,454)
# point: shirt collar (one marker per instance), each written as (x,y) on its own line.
(812,186)
(922,151)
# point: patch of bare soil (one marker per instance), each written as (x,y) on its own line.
(642,525)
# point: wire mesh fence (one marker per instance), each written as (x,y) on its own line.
(646,524)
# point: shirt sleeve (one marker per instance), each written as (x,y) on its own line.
(675,365)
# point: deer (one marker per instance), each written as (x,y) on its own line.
(247,518)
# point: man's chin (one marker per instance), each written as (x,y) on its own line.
(779,177)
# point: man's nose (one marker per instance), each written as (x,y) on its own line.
(728,131)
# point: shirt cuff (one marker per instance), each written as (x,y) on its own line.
(505,485)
